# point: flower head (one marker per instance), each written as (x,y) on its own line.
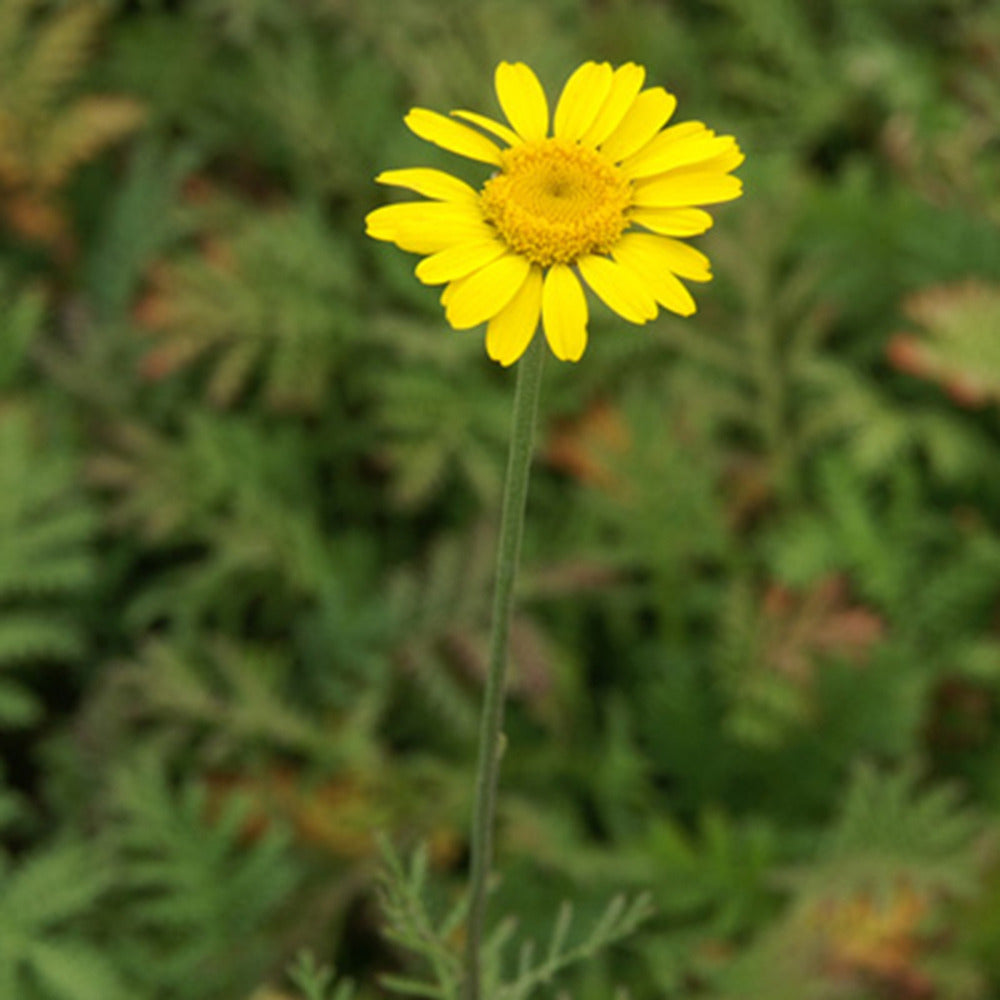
(604,197)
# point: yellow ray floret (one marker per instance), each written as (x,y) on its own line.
(619,288)
(430,183)
(479,296)
(564,313)
(581,100)
(523,100)
(510,331)
(625,86)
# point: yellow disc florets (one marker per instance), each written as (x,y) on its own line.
(554,201)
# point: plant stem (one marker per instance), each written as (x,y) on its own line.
(529,379)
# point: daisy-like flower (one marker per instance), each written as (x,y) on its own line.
(604,198)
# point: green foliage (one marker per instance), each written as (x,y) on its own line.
(441,620)
(895,848)
(317,982)
(249,482)
(44,133)
(46,560)
(231,695)
(137,225)
(431,436)
(892,831)
(957,347)
(271,299)
(20,319)
(885,544)
(47,902)
(410,924)
(201,900)
(300,83)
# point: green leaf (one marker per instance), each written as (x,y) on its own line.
(51,887)
(22,310)
(68,970)
(19,708)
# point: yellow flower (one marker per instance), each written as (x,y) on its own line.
(603,198)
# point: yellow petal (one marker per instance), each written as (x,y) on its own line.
(649,113)
(458,261)
(452,135)
(664,140)
(625,86)
(431,183)
(564,313)
(481,295)
(427,226)
(619,288)
(698,149)
(581,99)
(511,330)
(523,100)
(640,254)
(683,189)
(680,258)
(673,221)
(672,134)
(489,125)
(722,163)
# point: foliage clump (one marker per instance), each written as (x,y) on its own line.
(249,483)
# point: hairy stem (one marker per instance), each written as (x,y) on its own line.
(529,378)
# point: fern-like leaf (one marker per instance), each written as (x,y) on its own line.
(956,345)
(274,299)
(42,135)
(56,55)
(230,692)
(619,920)
(46,563)
(404,891)
(44,906)
(201,896)
(318,982)
(892,830)
(83,131)
(22,309)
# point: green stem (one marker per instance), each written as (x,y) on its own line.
(529,379)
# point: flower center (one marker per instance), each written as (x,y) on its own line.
(554,201)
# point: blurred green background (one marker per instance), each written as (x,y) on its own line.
(249,483)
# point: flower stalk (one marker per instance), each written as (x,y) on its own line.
(491,740)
